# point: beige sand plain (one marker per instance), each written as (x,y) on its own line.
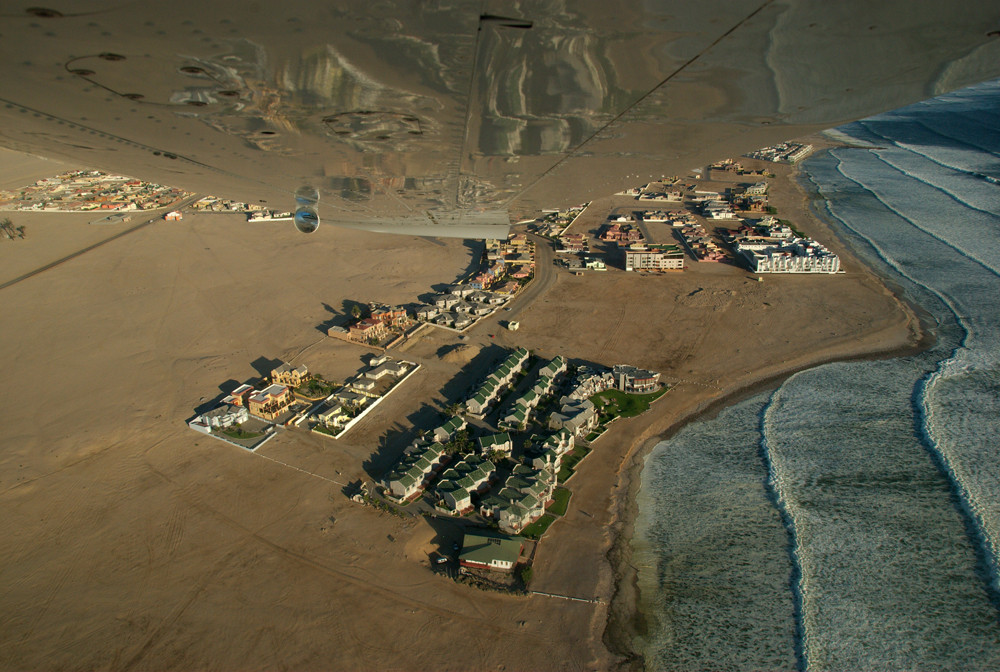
(131,542)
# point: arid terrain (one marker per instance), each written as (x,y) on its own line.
(132,542)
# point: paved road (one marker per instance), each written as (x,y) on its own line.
(545,275)
(74,255)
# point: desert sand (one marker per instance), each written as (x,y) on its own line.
(132,542)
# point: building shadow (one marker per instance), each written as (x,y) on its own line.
(263,366)
(393,444)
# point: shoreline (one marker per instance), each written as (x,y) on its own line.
(625,619)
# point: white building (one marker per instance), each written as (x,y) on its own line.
(797,256)
(220,417)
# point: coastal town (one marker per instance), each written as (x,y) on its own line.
(455,493)
(496,450)
(717,218)
(499,458)
(90,190)
(499,453)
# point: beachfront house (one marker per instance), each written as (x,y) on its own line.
(577,416)
(486,550)
(635,380)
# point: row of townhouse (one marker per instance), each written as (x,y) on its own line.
(382,319)
(521,500)
(460,306)
(448,430)
(414,470)
(497,381)
(345,403)
(500,443)
(589,382)
(547,452)
(700,243)
(489,276)
(520,411)
(422,460)
(577,416)
(470,475)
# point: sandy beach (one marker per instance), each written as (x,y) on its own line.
(135,543)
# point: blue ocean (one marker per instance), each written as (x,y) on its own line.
(850,519)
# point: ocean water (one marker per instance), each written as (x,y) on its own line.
(850,519)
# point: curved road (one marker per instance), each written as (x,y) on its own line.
(545,275)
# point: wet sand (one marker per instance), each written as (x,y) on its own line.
(134,542)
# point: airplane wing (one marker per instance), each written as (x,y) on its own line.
(457,117)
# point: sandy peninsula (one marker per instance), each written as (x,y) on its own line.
(134,543)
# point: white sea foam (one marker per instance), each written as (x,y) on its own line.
(712,553)
(887,473)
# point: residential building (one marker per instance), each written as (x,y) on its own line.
(425,313)
(446,301)
(462,479)
(588,383)
(220,417)
(391,316)
(271,402)
(414,470)
(292,377)
(516,418)
(796,256)
(334,416)
(496,442)
(632,379)
(394,368)
(556,366)
(447,431)
(577,416)
(486,550)
(240,396)
(368,329)
(654,258)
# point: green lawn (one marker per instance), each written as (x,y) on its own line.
(569,462)
(537,528)
(323,430)
(616,402)
(561,501)
(237,432)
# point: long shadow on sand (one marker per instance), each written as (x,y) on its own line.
(431,414)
